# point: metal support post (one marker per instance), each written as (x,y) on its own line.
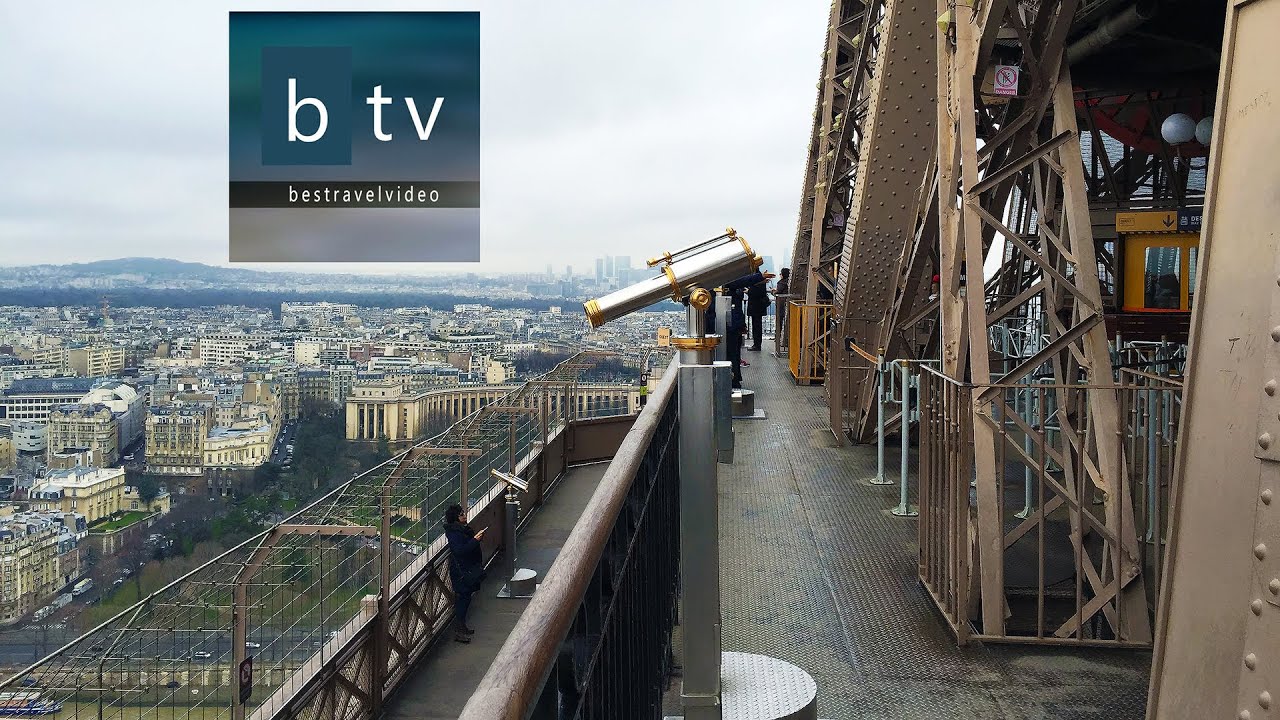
(699,521)
(904,425)
(1027,414)
(1153,424)
(723,375)
(880,479)
(520,582)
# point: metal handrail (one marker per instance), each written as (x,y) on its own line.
(515,678)
(1042,386)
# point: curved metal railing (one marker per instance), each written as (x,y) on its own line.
(596,639)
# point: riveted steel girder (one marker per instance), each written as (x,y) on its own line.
(1217,650)
(897,147)
(1024,188)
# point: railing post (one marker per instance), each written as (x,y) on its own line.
(382,628)
(880,479)
(1028,414)
(543,411)
(723,378)
(465,500)
(239,638)
(904,425)
(511,444)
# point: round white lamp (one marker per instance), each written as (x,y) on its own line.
(1204,131)
(1178,128)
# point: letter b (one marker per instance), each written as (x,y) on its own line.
(294,104)
(306,106)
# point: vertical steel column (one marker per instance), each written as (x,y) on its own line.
(1219,616)
(724,411)
(1028,415)
(510,518)
(699,520)
(904,425)
(463,490)
(1153,423)
(880,479)
(382,628)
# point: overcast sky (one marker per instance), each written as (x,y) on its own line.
(608,128)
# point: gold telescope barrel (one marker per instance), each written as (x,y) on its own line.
(715,264)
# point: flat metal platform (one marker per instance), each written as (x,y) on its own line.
(816,572)
(444,679)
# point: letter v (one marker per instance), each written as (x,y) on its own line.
(424,133)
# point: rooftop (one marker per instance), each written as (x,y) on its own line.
(59,386)
(82,475)
(223,431)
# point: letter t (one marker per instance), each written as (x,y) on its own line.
(377,101)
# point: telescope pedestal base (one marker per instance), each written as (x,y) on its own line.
(758,687)
(521,585)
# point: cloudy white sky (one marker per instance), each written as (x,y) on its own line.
(608,127)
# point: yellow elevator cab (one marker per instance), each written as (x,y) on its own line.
(1159,262)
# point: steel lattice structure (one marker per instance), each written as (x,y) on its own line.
(916,168)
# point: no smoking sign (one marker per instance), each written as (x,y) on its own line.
(1006,80)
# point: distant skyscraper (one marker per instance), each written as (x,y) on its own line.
(551,274)
(600,270)
(610,270)
(622,266)
(568,272)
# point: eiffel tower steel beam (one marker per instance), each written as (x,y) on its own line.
(1048,231)
(875,262)
(1217,650)
(847,60)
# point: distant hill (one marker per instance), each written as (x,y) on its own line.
(165,267)
(146,271)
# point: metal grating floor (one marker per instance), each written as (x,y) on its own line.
(817,572)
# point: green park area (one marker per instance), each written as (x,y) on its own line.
(121,521)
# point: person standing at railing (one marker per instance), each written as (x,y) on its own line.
(757,306)
(781,295)
(737,327)
(466,567)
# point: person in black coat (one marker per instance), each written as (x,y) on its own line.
(466,567)
(733,335)
(757,306)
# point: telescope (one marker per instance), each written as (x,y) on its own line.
(511,480)
(706,264)
(706,437)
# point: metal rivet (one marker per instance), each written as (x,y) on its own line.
(1251,661)
(1244,715)
(1275,334)
(1266,496)
(1264,440)
(1270,387)
(1260,550)
(1256,607)
(1274,586)
(1264,699)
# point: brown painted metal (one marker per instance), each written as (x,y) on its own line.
(1218,640)
(240,591)
(897,145)
(1061,291)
